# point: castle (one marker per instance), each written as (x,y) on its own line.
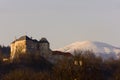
(25,44)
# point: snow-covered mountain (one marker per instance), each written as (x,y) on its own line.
(99,48)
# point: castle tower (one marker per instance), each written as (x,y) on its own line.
(44,47)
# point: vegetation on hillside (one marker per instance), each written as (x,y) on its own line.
(80,67)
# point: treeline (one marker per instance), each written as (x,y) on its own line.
(5,51)
(79,67)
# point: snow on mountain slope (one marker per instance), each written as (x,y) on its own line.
(99,48)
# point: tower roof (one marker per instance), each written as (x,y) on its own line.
(43,40)
(25,37)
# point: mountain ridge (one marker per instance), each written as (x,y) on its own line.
(102,49)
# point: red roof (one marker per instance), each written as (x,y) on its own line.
(62,53)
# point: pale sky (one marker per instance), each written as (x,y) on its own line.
(60,21)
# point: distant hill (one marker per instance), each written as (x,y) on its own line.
(99,48)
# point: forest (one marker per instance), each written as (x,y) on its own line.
(79,67)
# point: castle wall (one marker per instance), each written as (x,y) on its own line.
(18,47)
(12,50)
(32,47)
(44,48)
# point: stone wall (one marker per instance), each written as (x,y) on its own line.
(32,47)
(29,46)
(17,48)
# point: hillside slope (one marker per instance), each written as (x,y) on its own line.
(99,48)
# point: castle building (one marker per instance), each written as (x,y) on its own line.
(25,45)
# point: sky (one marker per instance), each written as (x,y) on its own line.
(61,21)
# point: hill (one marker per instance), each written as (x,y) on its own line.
(99,48)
